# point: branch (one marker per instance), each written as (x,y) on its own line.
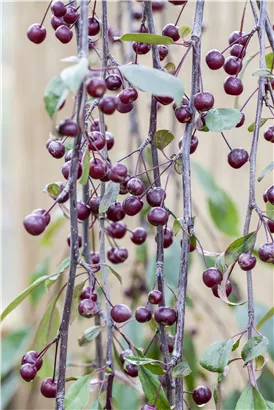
(252,177)
(160,240)
(74,252)
(185,153)
(268,27)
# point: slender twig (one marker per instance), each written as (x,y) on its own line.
(160,239)
(185,153)
(268,27)
(74,253)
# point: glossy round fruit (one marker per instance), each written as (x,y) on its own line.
(57,22)
(93,26)
(94,258)
(155,196)
(97,168)
(96,141)
(56,149)
(36,33)
(183,114)
(34,224)
(109,140)
(135,186)
(44,214)
(172,31)
(123,185)
(241,122)
(168,237)
(68,128)
(228,289)
(117,172)
(203,101)
(132,205)
(138,236)
(31,357)
(157,216)
(178,2)
(124,108)
(237,157)
(58,8)
(86,293)
(66,170)
(142,314)
(155,297)
(141,48)
(164,100)
(125,353)
(94,204)
(269,134)
(212,277)
(232,65)
(270,224)
(193,144)
(131,370)
(71,15)
(49,388)
(237,38)
(108,104)
(215,59)
(201,395)
(237,50)
(115,212)
(79,241)
(64,34)
(165,315)
(87,308)
(270,194)
(83,211)
(247,261)
(113,82)
(128,95)
(28,372)
(163,52)
(96,87)
(233,86)
(266,252)
(117,230)
(120,313)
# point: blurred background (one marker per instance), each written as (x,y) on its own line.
(27,168)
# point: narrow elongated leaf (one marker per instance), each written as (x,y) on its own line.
(89,335)
(184,31)
(151,385)
(266,171)
(96,405)
(251,399)
(261,72)
(222,288)
(110,196)
(73,75)
(146,38)
(55,94)
(269,59)
(155,368)
(78,394)
(85,167)
(116,274)
(75,301)
(64,265)
(222,119)
(162,139)
(140,361)
(181,370)
(216,356)
(154,81)
(241,245)
(177,225)
(265,318)
(262,122)
(254,347)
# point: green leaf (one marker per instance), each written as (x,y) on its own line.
(110,196)
(42,269)
(269,210)
(254,347)
(181,370)
(222,209)
(73,75)
(55,94)
(64,265)
(216,356)
(262,122)
(184,31)
(239,246)
(146,38)
(261,72)
(116,274)
(222,119)
(78,394)
(155,368)
(154,81)
(151,385)
(251,399)
(269,405)
(177,225)
(89,335)
(236,344)
(170,68)
(75,301)
(140,361)
(53,190)
(85,167)
(266,171)
(269,60)
(23,296)
(48,326)
(162,139)
(265,318)
(222,288)
(96,405)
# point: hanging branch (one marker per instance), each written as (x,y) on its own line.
(188,224)
(268,27)
(74,252)
(156,173)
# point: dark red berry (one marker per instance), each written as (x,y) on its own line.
(163,52)
(201,395)
(132,205)
(128,95)
(183,114)
(49,388)
(191,247)
(64,34)
(86,293)
(212,277)
(87,308)
(157,5)
(155,297)
(109,140)
(66,170)
(203,101)
(43,213)
(142,314)
(108,104)
(270,224)
(97,168)
(232,65)
(113,82)
(93,26)
(117,230)
(168,237)
(237,37)
(123,185)
(266,252)
(138,236)
(193,144)
(131,370)
(68,128)
(135,186)
(124,354)
(68,156)
(28,372)
(172,31)
(164,100)
(94,258)
(83,211)
(57,22)
(170,344)
(96,141)
(58,8)
(79,241)
(178,2)
(237,50)
(270,194)
(71,15)
(267,86)
(247,261)
(115,212)
(124,108)
(117,172)
(155,196)
(165,315)
(228,289)
(233,86)
(215,59)
(34,224)
(31,357)
(96,87)
(157,216)
(269,134)
(121,254)
(36,33)
(241,121)
(94,204)
(120,313)
(237,157)
(141,48)
(56,149)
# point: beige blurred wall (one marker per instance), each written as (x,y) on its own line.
(27,166)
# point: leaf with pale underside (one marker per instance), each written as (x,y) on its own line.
(146,38)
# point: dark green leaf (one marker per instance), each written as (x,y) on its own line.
(155,368)
(14,345)
(89,335)
(254,347)
(78,394)
(177,225)
(56,93)
(116,274)
(252,126)
(110,196)
(154,81)
(265,318)
(178,165)
(75,301)
(85,167)
(151,385)
(239,246)
(261,72)
(162,139)
(53,190)
(73,75)
(181,370)
(251,399)
(184,31)
(236,344)
(266,171)
(146,38)
(221,119)
(216,356)
(215,395)
(269,60)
